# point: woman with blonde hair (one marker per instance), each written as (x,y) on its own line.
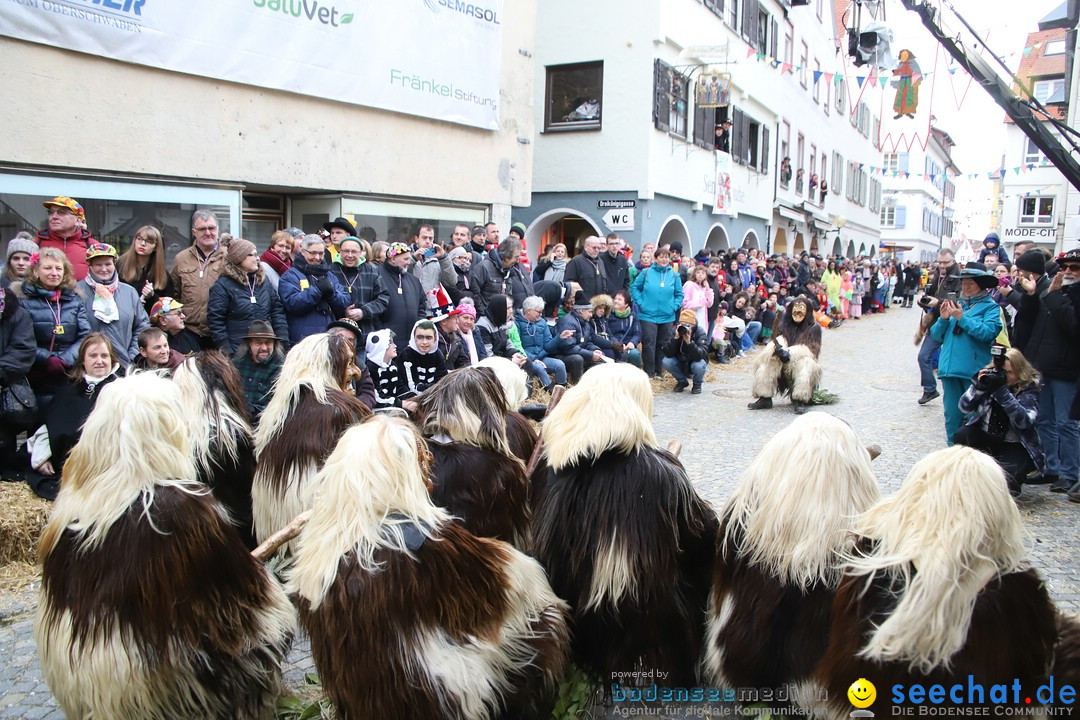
(60,320)
(143,266)
(552,265)
(1002,407)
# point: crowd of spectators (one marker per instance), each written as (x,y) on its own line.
(415,311)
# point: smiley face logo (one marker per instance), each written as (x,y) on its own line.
(862,693)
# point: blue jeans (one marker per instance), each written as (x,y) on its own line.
(753,330)
(697,368)
(541,368)
(926,363)
(1060,436)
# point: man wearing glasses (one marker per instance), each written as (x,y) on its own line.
(167,315)
(945,280)
(195,270)
(67,233)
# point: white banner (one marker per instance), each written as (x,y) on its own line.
(438,59)
(723,203)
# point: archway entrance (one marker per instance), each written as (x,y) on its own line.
(850,249)
(718,238)
(563,225)
(780,242)
(674,230)
(750,240)
(837,247)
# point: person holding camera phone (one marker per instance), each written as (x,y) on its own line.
(967,328)
(946,279)
(687,352)
(1002,407)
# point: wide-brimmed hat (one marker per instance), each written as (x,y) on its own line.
(977,271)
(260,330)
(350,325)
(342,223)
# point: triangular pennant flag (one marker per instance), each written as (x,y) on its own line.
(775,64)
(838,79)
(860,79)
(883,79)
(1017,170)
(817,76)
(952,71)
(786,68)
(750,52)
(926,176)
(1027,51)
(760,56)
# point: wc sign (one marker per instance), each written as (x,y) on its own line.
(619,219)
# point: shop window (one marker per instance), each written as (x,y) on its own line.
(1037,211)
(113,221)
(574,96)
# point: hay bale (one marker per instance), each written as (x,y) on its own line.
(21,522)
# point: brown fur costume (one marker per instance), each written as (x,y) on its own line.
(306,415)
(151,607)
(800,375)
(784,532)
(222,442)
(938,590)
(475,475)
(410,615)
(625,538)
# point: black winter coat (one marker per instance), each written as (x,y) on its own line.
(590,275)
(687,353)
(17,346)
(1054,346)
(490,279)
(407,304)
(617,270)
(230,312)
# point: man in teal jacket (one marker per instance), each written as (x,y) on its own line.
(657,293)
(966,329)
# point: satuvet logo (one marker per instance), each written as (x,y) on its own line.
(313,10)
(465,8)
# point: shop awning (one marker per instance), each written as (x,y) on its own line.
(790,214)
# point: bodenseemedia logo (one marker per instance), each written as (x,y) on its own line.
(309,10)
(464,7)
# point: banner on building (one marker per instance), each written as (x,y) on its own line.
(438,59)
(723,204)
(713,90)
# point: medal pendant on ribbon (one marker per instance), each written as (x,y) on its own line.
(200,273)
(58,330)
(661,283)
(399,291)
(350,288)
(253,300)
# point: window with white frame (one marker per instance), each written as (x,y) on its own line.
(1032,154)
(818,81)
(837,184)
(891,161)
(841,98)
(731,14)
(1038,210)
(888,216)
(1052,90)
(804,61)
(828,97)
(1054,47)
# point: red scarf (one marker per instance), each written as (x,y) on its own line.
(274,261)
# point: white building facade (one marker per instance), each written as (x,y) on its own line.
(642,157)
(143,133)
(918,192)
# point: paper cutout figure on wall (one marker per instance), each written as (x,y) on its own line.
(907,87)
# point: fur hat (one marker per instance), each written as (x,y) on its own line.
(1033,260)
(687,316)
(602,300)
(18,244)
(238,249)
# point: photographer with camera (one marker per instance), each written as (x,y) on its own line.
(946,279)
(1003,406)
(686,353)
(969,324)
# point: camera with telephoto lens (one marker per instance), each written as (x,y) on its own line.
(685,328)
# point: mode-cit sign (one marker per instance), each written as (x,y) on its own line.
(619,219)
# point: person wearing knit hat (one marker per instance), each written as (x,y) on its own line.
(687,352)
(240,296)
(17,258)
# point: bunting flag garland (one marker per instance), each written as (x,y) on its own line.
(860,79)
(834,78)
(817,76)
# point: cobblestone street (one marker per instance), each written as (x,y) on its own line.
(869,363)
